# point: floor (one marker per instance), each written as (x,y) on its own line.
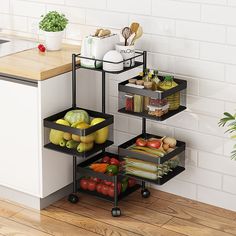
(162,214)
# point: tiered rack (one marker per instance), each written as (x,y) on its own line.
(86,158)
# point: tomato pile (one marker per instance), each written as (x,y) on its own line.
(106,187)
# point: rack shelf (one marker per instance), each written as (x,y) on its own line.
(110,199)
(176,171)
(138,55)
(182,85)
(49,122)
(73,152)
(125,151)
(150,117)
(137,64)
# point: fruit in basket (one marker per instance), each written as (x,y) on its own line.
(84,183)
(112,170)
(91,185)
(97,180)
(84,147)
(155,143)
(67,136)
(111,191)
(56,136)
(107,182)
(101,135)
(171,141)
(62,143)
(88,138)
(72,144)
(74,116)
(106,159)
(99,187)
(141,142)
(105,189)
(114,161)
(75,137)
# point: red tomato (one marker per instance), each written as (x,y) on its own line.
(131,182)
(84,184)
(118,186)
(141,142)
(114,161)
(107,182)
(111,191)
(104,189)
(97,180)
(106,159)
(99,188)
(91,185)
(154,143)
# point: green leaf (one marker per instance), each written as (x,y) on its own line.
(228,115)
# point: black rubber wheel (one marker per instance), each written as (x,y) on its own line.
(145,193)
(116,212)
(73,198)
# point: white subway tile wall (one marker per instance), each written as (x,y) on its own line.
(192,39)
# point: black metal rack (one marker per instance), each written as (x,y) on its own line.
(100,150)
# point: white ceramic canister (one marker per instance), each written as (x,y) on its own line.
(127,52)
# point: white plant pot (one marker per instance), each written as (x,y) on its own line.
(53,40)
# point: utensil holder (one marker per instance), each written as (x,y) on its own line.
(127,52)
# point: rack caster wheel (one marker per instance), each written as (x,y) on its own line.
(145,193)
(116,212)
(73,198)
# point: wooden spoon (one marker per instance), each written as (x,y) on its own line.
(137,35)
(134,27)
(126,33)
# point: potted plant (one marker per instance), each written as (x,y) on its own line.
(53,25)
(230,120)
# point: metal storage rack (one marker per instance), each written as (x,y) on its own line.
(93,155)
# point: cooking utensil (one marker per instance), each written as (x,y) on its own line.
(134,27)
(137,35)
(126,33)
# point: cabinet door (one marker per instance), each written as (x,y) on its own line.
(19,161)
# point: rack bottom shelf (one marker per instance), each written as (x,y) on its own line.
(162,180)
(110,199)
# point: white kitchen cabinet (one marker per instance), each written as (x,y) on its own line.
(25,165)
(19,137)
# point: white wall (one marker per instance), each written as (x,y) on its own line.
(193,39)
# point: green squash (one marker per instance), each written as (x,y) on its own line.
(75,116)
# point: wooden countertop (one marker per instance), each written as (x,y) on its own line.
(33,65)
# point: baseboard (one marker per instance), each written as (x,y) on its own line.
(32,201)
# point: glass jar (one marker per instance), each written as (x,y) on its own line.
(174,99)
(138,103)
(147,85)
(129,102)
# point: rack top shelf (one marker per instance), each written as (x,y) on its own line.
(138,55)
